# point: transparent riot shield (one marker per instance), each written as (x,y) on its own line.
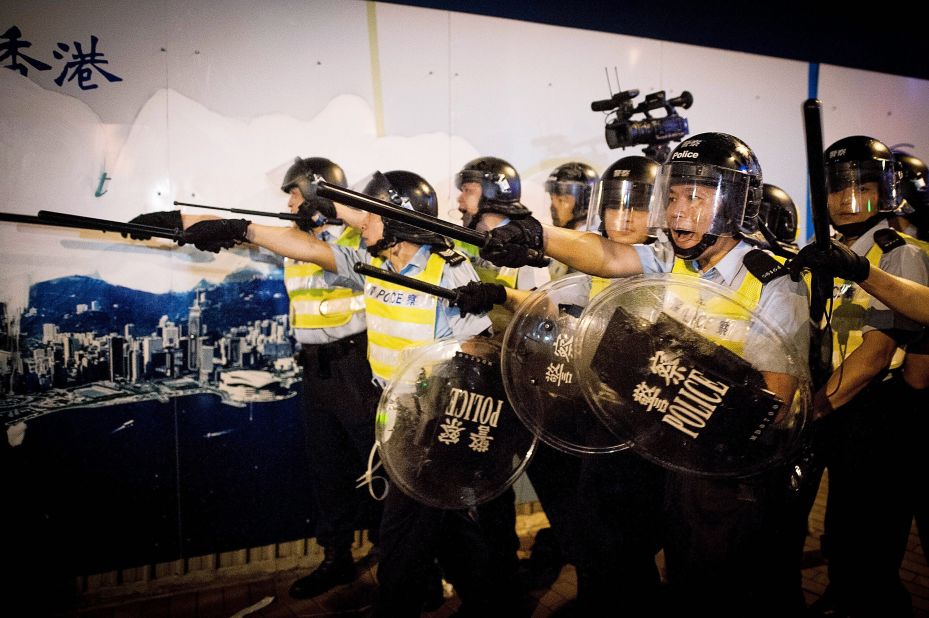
(695,379)
(447,434)
(541,381)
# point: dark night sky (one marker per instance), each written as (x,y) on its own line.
(892,40)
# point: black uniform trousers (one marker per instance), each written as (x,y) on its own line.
(554,476)
(728,546)
(620,499)
(869,511)
(918,403)
(476,549)
(338,399)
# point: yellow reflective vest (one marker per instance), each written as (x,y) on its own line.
(850,306)
(398,317)
(724,322)
(313,304)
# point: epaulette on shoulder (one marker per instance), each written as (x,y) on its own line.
(888,239)
(763,266)
(451,256)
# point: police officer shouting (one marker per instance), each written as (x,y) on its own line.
(724,539)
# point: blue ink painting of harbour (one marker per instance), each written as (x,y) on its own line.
(147,427)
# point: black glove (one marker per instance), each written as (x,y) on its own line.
(168,219)
(477,297)
(518,243)
(215,234)
(838,261)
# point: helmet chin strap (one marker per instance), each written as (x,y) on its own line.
(697,250)
(854,230)
(387,241)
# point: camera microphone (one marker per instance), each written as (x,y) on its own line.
(603,105)
(620,99)
(685,100)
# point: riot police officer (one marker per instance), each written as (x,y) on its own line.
(569,187)
(482,565)
(489,196)
(490,193)
(778,215)
(619,206)
(328,321)
(913,196)
(723,539)
(490,190)
(868,517)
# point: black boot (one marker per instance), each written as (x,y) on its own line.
(337,568)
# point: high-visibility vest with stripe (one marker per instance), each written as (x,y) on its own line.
(313,304)
(723,322)
(398,317)
(850,306)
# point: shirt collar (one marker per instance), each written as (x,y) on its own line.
(729,266)
(863,243)
(417,263)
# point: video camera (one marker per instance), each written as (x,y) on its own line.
(622,132)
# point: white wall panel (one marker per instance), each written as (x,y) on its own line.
(890,108)
(243,87)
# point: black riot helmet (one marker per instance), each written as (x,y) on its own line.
(913,191)
(620,201)
(711,184)
(500,187)
(779,214)
(854,162)
(304,174)
(407,190)
(577,180)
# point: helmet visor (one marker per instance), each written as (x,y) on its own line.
(856,187)
(782,222)
(567,187)
(691,200)
(468,176)
(619,210)
(568,200)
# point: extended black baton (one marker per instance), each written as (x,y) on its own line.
(289,216)
(411,217)
(813,127)
(48,217)
(286,216)
(821,282)
(409,282)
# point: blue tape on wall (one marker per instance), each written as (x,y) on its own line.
(812,89)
